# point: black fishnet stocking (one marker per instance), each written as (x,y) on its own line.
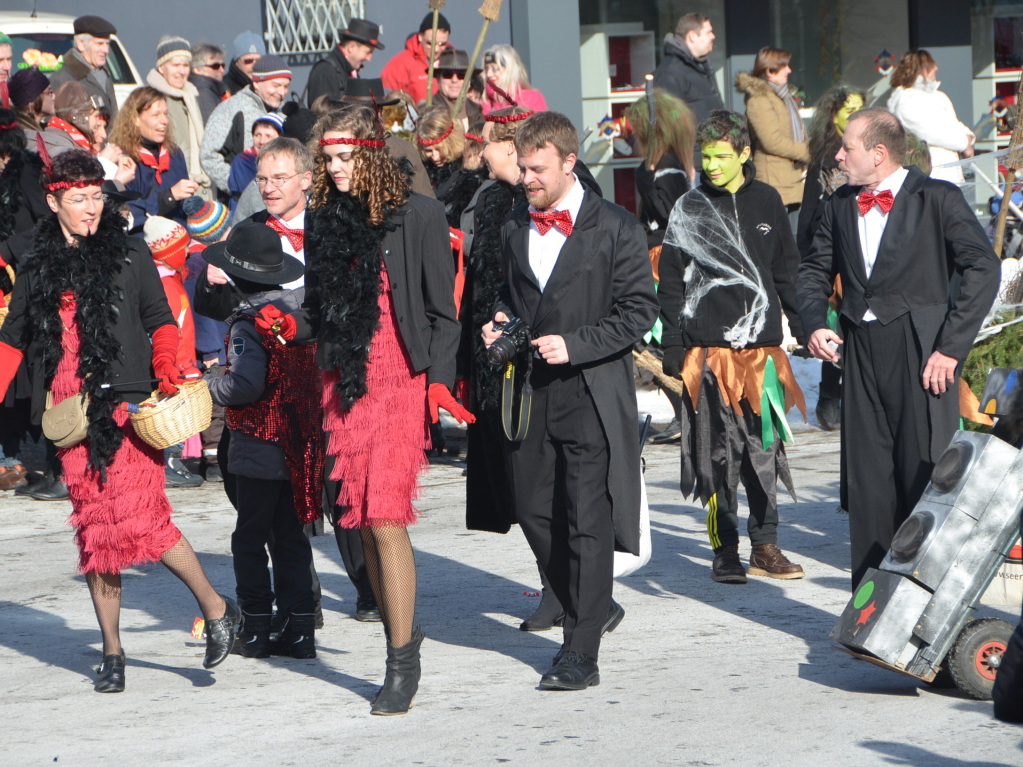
(391,566)
(181,560)
(105,589)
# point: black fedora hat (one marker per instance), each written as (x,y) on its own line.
(366,90)
(362,31)
(253,252)
(454,60)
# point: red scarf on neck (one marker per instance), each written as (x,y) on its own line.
(161,164)
(76,135)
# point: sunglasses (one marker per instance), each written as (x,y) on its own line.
(452,75)
(248,60)
(218,65)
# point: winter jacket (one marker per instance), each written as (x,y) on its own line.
(156,197)
(659,190)
(186,126)
(689,78)
(528,98)
(407,70)
(928,113)
(243,170)
(781,159)
(227,134)
(250,456)
(235,81)
(329,77)
(210,93)
(76,69)
(758,215)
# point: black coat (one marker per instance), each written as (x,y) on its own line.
(329,77)
(22,203)
(211,93)
(755,210)
(600,298)
(692,80)
(659,190)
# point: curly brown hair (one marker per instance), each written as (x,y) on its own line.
(377,178)
(433,123)
(125,130)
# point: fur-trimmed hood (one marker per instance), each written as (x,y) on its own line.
(753,86)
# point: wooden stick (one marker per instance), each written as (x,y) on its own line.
(1012,164)
(490,11)
(435,6)
(650,363)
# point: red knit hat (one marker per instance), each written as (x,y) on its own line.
(167,240)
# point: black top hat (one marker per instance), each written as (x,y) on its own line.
(367,90)
(253,252)
(362,31)
(454,60)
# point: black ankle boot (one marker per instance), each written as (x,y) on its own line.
(111,674)
(297,638)
(254,636)
(402,679)
(221,633)
(548,614)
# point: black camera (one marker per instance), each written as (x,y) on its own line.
(516,337)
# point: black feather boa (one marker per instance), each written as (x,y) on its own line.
(90,269)
(456,193)
(344,254)
(10,188)
(486,275)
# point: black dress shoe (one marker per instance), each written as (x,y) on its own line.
(672,433)
(614,617)
(111,674)
(220,634)
(572,671)
(46,488)
(548,614)
(366,609)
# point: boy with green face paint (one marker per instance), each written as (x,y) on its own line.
(727,271)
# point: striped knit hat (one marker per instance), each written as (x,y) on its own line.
(171,47)
(167,240)
(269,67)
(207,221)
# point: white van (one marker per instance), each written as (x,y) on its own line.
(41,39)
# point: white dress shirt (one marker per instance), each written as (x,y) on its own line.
(544,249)
(298,222)
(872,226)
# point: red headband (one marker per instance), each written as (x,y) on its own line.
(435,141)
(492,118)
(9,126)
(61,185)
(474,137)
(370,142)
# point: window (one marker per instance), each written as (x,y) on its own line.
(308,26)
(44,50)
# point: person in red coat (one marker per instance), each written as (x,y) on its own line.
(407,71)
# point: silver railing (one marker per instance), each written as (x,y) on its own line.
(307,26)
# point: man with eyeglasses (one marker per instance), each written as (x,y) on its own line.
(451,71)
(208,76)
(329,76)
(228,127)
(86,62)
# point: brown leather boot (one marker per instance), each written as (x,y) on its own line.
(727,567)
(768,560)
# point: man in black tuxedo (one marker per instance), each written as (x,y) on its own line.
(578,273)
(897,238)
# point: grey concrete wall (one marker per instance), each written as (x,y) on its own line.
(546,35)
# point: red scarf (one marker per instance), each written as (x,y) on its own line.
(150,161)
(76,135)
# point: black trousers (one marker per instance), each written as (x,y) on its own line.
(723,515)
(349,540)
(267,521)
(559,479)
(886,435)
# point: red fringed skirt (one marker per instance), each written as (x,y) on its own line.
(380,442)
(124,521)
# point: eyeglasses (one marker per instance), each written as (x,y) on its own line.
(216,65)
(77,202)
(452,75)
(277,181)
(248,60)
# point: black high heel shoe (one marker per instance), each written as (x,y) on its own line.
(111,674)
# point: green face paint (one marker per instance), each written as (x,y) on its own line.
(723,165)
(852,104)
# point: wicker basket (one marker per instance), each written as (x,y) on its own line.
(164,420)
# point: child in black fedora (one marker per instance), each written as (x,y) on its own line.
(271,396)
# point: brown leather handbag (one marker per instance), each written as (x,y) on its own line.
(66,424)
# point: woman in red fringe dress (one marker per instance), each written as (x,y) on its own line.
(83,311)
(380,303)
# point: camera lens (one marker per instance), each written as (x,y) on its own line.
(502,350)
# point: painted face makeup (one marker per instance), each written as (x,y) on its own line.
(723,165)
(852,105)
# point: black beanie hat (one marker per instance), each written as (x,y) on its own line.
(26,85)
(427,23)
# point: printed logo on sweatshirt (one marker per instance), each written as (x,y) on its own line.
(764,229)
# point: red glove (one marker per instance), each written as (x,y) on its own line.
(462,389)
(272,321)
(165,355)
(10,360)
(437,396)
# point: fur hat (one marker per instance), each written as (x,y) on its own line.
(270,67)
(167,240)
(207,221)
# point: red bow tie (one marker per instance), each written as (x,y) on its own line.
(295,236)
(867,200)
(559,218)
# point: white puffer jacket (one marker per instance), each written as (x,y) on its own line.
(928,113)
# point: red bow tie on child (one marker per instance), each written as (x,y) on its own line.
(295,236)
(559,218)
(867,200)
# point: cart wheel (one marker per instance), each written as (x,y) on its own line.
(976,655)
